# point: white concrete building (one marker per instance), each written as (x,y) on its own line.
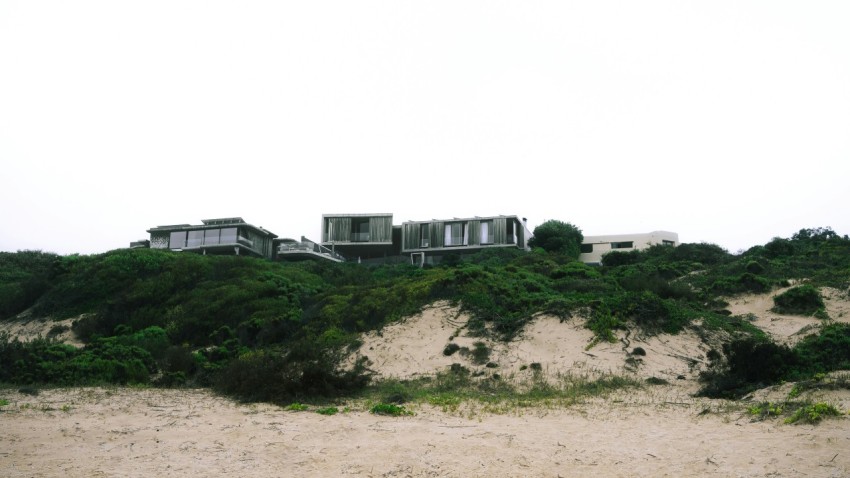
(594,247)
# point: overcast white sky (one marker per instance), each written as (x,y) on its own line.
(725,121)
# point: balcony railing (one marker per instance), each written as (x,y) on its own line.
(290,247)
(360,237)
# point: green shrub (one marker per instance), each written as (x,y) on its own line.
(559,237)
(826,351)
(480,353)
(281,374)
(327,411)
(813,413)
(749,364)
(765,410)
(450,349)
(802,300)
(390,409)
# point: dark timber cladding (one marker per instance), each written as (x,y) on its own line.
(340,229)
(449,234)
(359,236)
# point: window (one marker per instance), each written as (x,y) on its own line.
(487,232)
(455,234)
(667,243)
(211,237)
(228,236)
(196,239)
(586,248)
(360,229)
(424,236)
(177,240)
(622,245)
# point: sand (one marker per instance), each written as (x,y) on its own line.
(654,431)
(789,329)
(136,432)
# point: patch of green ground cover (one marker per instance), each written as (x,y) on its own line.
(451,389)
(795,412)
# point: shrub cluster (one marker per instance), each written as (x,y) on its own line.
(802,300)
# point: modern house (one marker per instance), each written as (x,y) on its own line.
(594,247)
(230,235)
(360,236)
(427,242)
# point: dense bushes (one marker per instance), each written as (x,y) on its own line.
(749,363)
(24,277)
(804,300)
(283,374)
(827,351)
(102,361)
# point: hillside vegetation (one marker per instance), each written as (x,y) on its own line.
(278,332)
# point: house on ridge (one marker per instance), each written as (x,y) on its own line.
(231,235)
(594,247)
(428,242)
(361,237)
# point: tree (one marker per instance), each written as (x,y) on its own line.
(558,236)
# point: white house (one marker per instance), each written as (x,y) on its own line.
(594,247)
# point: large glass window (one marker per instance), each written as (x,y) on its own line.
(455,234)
(360,229)
(177,240)
(211,237)
(424,236)
(487,232)
(622,245)
(228,235)
(196,239)
(586,248)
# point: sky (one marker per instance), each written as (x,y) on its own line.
(727,122)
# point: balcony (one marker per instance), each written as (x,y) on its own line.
(297,248)
(360,237)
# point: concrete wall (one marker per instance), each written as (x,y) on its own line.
(602,245)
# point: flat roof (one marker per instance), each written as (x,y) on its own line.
(212,224)
(476,218)
(374,214)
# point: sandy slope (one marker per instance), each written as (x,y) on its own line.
(415,347)
(654,432)
(789,329)
(26,327)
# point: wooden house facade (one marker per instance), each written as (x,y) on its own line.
(426,242)
(360,236)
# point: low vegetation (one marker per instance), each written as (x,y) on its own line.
(277,332)
(802,300)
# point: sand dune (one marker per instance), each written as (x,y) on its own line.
(656,431)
